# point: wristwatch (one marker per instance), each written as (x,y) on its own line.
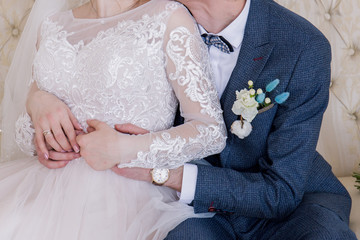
(159,176)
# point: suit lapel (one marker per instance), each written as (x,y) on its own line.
(254,53)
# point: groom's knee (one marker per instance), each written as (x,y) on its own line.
(309,221)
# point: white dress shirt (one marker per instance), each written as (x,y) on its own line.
(222,65)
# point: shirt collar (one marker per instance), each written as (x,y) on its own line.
(234,32)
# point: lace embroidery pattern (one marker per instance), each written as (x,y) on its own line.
(168,152)
(24,134)
(116,91)
(191,72)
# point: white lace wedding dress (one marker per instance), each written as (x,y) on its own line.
(134,67)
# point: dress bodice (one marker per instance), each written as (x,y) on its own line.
(115,74)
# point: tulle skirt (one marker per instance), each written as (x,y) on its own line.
(77,202)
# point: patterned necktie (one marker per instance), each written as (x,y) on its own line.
(217,41)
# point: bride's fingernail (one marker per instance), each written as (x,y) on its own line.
(76,148)
(46,156)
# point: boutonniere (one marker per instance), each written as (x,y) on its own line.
(249,103)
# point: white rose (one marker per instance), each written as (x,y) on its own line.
(241,130)
(245,105)
(239,94)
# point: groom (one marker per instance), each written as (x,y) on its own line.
(272,184)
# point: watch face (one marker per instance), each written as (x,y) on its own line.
(160,175)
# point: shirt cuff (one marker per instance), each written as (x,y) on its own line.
(188,187)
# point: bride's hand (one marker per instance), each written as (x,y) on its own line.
(55,159)
(50,114)
(101,147)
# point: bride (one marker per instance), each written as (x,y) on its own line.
(117,61)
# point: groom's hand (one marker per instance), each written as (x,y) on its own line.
(143,174)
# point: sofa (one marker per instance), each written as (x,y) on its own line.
(339,20)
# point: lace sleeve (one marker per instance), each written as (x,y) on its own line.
(203,132)
(24,134)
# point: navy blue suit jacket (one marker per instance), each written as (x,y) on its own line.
(267,174)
